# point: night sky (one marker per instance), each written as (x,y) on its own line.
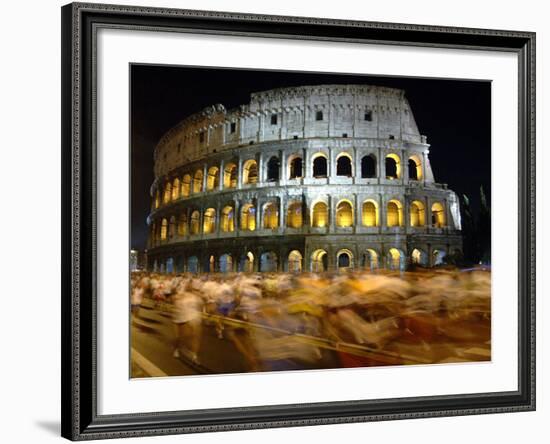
(455,115)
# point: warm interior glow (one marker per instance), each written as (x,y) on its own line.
(372,259)
(186,186)
(228,219)
(250,172)
(209,221)
(417,167)
(394,214)
(294,215)
(195,222)
(394,162)
(271,216)
(319,261)
(213,179)
(248,217)
(416,256)
(395,258)
(197,181)
(344,214)
(157,199)
(164,229)
(418,218)
(182,225)
(167,193)
(230,176)
(438,215)
(319,216)
(176,189)
(370,214)
(295,261)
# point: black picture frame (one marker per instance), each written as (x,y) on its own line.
(79,385)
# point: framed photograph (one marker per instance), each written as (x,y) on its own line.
(278,221)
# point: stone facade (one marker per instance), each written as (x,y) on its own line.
(309,178)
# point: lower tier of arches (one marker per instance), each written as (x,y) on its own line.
(304,254)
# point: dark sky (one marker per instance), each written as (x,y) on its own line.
(455,115)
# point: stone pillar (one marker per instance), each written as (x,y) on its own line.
(204,177)
(283,168)
(332,214)
(239,173)
(357,213)
(258,214)
(282,212)
(405,170)
(261,172)
(381,165)
(221,174)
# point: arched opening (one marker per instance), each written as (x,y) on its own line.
(228,219)
(176,189)
(344,214)
(170,265)
(344,259)
(230,176)
(209,221)
(248,217)
(246,264)
(210,266)
(268,262)
(186,186)
(164,229)
(368,166)
(250,172)
(320,169)
(271,216)
(370,214)
(193,264)
(319,261)
(418,257)
(394,259)
(438,256)
(371,259)
(438,215)
(394,214)
(319,215)
(182,225)
(393,166)
(213,179)
(295,167)
(343,165)
(415,168)
(167,193)
(197,181)
(417,214)
(294,217)
(172,227)
(195,222)
(226,263)
(273,169)
(295,261)
(157,199)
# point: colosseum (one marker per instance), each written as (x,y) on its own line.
(311,178)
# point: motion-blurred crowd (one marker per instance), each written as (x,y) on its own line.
(365,318)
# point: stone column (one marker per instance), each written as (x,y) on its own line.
(261,172)
(405,170)
(381,165)
(240,173)
(283,168)
(221,174)
(204,177)
(257,206)
(357,213)
(282,212)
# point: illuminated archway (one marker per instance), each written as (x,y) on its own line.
(176,189)
(213,178)
(157,199)
(172,227)
(369,214)
(344,214)
(186,185)
(246,263)
(182,225)
(319,215)
(250,172)
(248,217)
(230,176)
(394,259)
(415,168)
(295,261)
(195,222)
(294,217)
(209,221)
(167,193)
(438,215)
(164,229)
(371,259)
(417,214)
(418,257)
(271,216)
(394,214)
(197,181)
(393,166)
(319,261)
(228,219)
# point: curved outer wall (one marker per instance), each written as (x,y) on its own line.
(230,195)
